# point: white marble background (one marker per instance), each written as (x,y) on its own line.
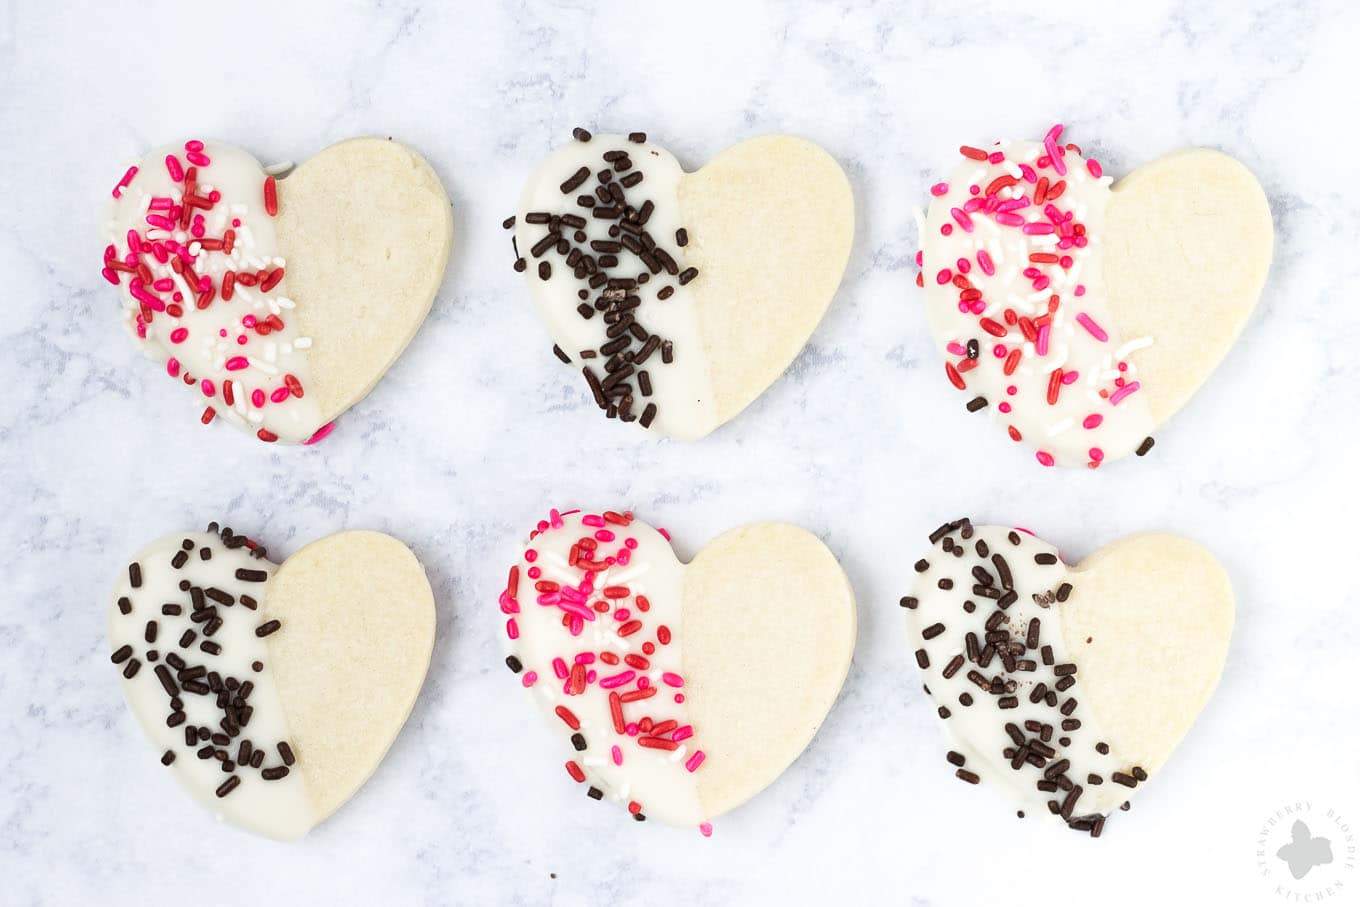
(477,430)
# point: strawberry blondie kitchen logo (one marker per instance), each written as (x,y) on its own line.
(1307,853)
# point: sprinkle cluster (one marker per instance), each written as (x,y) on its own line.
(619,667)
(1011,666)
(611,270)
(192,250)
(1035,305)
(192,663)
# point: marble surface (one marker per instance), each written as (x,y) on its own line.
(477,430)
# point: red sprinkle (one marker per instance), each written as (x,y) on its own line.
(271,196)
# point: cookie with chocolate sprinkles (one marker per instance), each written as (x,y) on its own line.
(1074,686)
(616,242)
(343,615)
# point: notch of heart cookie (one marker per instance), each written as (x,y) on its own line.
(681,297)
(280,302)
(683,690)
(1084,315)
(1067,686)
(272,692)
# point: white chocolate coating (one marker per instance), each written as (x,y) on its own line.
(281,808)
(683,389)
(979,731)
(220,342)
(661,782)
(1098,413)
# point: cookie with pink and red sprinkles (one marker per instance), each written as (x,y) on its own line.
(679,690)
(277,298)
(1083,313)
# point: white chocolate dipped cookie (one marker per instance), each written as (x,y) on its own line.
(1085,313)
(272,692)
(1069,687)
(280,302)
(681,296)
(683,690)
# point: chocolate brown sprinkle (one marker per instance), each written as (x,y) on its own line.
(269,626)
(286,753)
(228,786)
(246,575)
(1145,446)
(135,574)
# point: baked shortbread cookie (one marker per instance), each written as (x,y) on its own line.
(1067,686)
(272,692)
(683,689)
(681,296)
(279,301)
(1086,313)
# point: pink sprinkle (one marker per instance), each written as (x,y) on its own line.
(618,680)
(512,631)
(663,533)
(630,543)
(939,189)
(1092,328)
(1054,152)
(1070,377)
(693,762)
(157,220)
(984,261)
(236,363)
(1096,454)
(173,166)
(172,367)
(1042,283)
(1007,219)
(955,348)
(193,145)
(559,668)
(1094,167)
(1041,345)
(508,604)
(164,285)
(1037,228)
(1081,287)
(604,535)
(616,754)
(1092,421)
(584,658)
(257,398)
(962,219)
(279,395)
(1123,392)
(671,679)
(593,520)
(178,335)
(1028,173)
(531,555)
(124,182)
(944,276)
(110,275)
(995,157)
(208,387)
(1044,457)
(530,677)
(321,434)
(706,829)
(197,158)
(1004,406)
(684,732)
(964,265)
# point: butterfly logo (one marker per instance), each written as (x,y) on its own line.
(1305,852)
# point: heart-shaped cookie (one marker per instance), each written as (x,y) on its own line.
(279,301)
(272,692)
(1067,686)
(682,296)
(1085,315)
(684,690)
